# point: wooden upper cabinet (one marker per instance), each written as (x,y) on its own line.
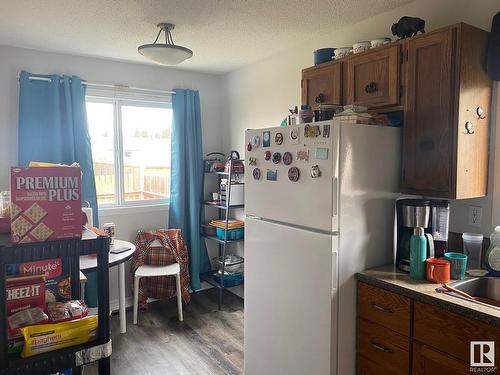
(446,83)
(373,77)
(322,84)
(428,129)
(438,79)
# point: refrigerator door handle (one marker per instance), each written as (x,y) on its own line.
(254,217)
(335,198)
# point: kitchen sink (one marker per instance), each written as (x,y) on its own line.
(484,289)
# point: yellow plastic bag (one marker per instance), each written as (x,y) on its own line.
(44,338)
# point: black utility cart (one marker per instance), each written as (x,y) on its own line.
(76,356)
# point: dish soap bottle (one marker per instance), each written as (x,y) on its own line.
(418,254)
(492,259)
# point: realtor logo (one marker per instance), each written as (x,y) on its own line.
(482,353)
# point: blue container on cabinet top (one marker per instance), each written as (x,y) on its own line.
(323,55)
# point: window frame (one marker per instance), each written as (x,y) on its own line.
(118,152)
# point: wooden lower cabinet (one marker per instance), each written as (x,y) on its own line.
(428,361)
(386,348)
(368,367)
(388,309)
(436,342)
(451,332)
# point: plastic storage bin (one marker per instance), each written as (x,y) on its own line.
(229,279)
(232,234)
(234,264)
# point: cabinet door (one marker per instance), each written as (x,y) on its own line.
(382,346)
(427,361)
(364,366)
(428,136)
(322,84)
(388,309)
(373,78)
(451,333)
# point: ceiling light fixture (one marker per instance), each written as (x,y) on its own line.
(165,53)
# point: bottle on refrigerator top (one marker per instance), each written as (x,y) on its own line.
(418,254)
(492,259)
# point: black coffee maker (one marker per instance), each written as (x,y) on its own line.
(433,216)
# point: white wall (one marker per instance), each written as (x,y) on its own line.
(12,60)
(260,94)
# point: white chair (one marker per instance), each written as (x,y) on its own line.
(151,271)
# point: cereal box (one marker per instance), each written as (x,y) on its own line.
(45,203)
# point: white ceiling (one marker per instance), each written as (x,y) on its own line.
(224,34)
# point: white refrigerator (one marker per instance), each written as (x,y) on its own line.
(306,237)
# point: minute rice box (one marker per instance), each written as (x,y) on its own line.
(45,203)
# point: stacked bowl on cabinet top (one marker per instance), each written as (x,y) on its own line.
(324,55)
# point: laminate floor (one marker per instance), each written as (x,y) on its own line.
(209,341)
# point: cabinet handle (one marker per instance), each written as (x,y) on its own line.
(380,308)
(480,113)
(320,98)
(371,88)
(379,347)
(469,128)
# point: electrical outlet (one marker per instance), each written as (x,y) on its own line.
(475,216)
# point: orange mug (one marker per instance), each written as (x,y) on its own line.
(437,270)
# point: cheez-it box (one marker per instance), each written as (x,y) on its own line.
(45,203)
(24,292)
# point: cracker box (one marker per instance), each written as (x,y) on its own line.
(22,293)
(25,292)
(45,203)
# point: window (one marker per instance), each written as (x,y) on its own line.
(130,140)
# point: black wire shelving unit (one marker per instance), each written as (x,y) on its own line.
(223,213)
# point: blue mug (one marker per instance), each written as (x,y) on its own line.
(458,265)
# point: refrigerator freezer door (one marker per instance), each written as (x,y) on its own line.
(309,202)
(369,166)
(289,305)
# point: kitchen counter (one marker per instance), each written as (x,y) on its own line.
(389,278)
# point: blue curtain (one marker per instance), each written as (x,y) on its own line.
(53,127)
(186,184)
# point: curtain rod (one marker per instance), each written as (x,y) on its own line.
(95,84)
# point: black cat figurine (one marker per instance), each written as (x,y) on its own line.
(408,26)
